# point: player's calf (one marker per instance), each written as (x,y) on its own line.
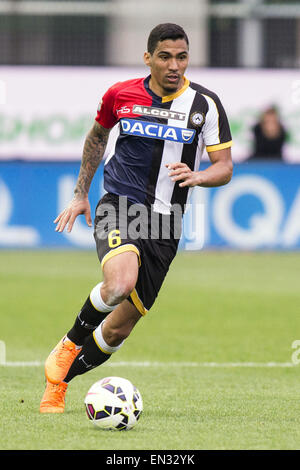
(99,346)
(119,324)
(94,353)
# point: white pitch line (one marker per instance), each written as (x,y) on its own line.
(21,364)
(167,364)
(202,364)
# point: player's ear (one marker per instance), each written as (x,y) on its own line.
(147,57)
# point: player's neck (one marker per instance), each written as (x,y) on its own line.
(162,92)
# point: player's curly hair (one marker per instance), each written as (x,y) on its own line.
(165,31)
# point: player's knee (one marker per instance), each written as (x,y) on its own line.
(119,289)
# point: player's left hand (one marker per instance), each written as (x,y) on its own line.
(181,172)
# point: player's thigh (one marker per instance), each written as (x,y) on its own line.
(118,254)
(121,270)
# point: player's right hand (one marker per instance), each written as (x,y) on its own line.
(69,214)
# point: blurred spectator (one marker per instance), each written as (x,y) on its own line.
(269,136)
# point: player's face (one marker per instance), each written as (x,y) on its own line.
(167,64)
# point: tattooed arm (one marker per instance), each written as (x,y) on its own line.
(93,151)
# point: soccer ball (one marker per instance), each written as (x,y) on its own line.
(113,403)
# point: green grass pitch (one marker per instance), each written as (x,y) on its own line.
(215,307)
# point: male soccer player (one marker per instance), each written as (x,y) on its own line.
(162,123)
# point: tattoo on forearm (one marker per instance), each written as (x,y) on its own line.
(93,152)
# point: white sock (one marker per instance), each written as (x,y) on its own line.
(98,302)
(101,343)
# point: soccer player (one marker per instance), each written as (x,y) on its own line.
(161,125)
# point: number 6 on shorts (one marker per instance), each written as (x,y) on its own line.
(114,238)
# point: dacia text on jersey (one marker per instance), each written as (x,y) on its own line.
(154,130)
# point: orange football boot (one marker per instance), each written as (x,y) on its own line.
(59,361)
(53,400)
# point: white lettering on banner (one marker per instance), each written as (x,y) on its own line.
(291,232)
(81,235)
(14,235)
(264,227)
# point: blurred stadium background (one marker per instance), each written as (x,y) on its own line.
(57,58)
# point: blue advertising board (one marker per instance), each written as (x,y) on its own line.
(258,209)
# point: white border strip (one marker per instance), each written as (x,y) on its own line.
(57,8)
(225,9)
(168,364)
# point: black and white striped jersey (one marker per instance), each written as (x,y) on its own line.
(151,131)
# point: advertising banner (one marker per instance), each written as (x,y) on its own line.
(258,209)
(45,112)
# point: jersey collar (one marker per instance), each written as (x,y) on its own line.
(165,99)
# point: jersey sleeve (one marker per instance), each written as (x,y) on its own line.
(106,115)
(216,130)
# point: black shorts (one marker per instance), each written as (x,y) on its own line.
(120,227)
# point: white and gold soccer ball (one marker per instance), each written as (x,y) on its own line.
(113,403)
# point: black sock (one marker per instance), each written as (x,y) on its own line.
(89,357)
(86,322)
